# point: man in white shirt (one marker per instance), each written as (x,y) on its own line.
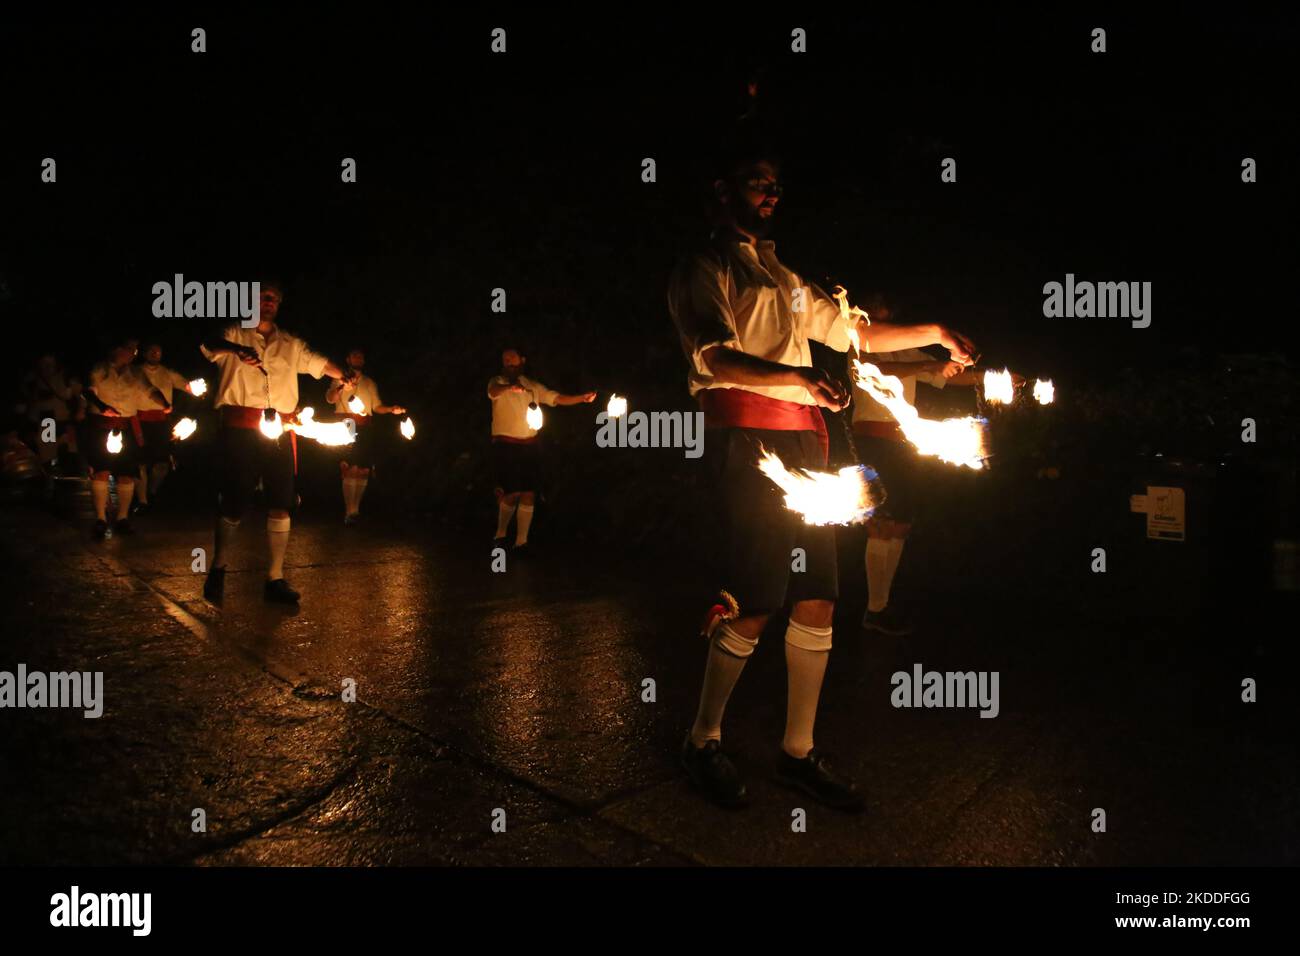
(155,422)
(259,369)
(115,393)
(359,458)
(516,448)
(745,320)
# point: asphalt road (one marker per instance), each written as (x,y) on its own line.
(523,692)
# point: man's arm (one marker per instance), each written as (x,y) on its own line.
(582,399)
(740,368)
(887,337)
(497,389)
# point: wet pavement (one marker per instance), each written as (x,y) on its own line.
(523,692)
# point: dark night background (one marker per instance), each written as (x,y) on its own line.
(523,171)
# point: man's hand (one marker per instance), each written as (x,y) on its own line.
(950,369)
(959,346)
(588,397)
(826,391)
(247,354)
(396,410)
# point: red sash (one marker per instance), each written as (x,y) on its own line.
(887,430)
(739,408)
(515,441)
(152,415)
(359,419)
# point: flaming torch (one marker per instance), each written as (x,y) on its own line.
(844,497)
(114,442)
(198,387)
(999,387)
(1044,391)
(184,429)
(270,425)
(534,416)
(958,441)
(326,433)
(356,406)
(617,407)
(407,428)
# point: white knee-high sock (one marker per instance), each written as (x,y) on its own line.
(807,649)
(99,496)
(125,492)
(891,564)
(720,676)
(277,539)
(225,534)
(878,576)
(521,526)
(505,512)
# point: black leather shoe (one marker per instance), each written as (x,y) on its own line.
(214,585)
(714,774)
(123,526)
(889,621)
(280,592)
(100,529)
(814,777)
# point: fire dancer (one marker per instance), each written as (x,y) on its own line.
(881,444)
(156,450)
(358,399)
(516,448)
(259,369)
(745,321)
(111,443)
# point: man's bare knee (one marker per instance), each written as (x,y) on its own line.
(813,613)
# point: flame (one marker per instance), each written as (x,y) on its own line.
(355,405)
(617,407)
(1044,391)
(326,433)
(534,416)
(958,441)
(999,387)
(198,387)
(271,427)
(184,429)
(407,428)
(850,314)
(822,497)
(114,443)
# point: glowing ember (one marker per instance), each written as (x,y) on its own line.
(534,416)
(271,426)
(617,406)
(1044,391)
(198,387)
(407,428)
(999,387)
(356,406)
(822,497)
(326,433)
(114,443)
(184,429)
(958,441)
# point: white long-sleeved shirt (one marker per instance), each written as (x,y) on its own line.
(509,409)
(365,389)
(284,357)
(125,389)
(867,409)
(165,380)
(739,295)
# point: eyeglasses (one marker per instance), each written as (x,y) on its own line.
(768,187)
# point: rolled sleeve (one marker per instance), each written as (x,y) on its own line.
(546,396)
(697,300)
(825,323)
